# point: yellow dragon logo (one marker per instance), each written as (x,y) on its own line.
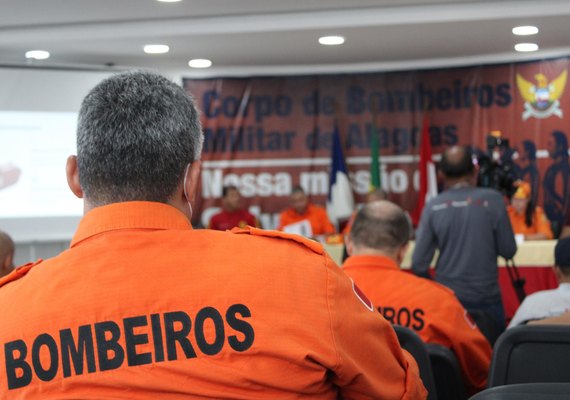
(542,99)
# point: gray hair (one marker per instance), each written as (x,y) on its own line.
(137,132)
(380,225)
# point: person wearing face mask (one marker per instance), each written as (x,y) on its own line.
(527,219)
(143,306)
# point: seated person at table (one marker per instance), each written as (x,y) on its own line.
(232,214)
(304,218)
(549,303)
(376,245)
(527,219)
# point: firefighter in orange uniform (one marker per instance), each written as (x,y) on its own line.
(376,246)
(303,217)
(527,218)
(143,307)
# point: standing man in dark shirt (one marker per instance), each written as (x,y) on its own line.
(470,227)
(555,182)
(232,214)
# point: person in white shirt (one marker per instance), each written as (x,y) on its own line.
(549,303)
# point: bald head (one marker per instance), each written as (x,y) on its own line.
(380,225)
(6,254)
(457,162)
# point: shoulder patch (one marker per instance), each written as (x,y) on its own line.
(315,246)
(18,272)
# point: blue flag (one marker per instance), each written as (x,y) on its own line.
(340,203)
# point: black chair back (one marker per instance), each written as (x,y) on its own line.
(531,354)
(447,373)
(526,391)
(410,341)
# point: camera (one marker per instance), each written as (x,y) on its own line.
(496,166)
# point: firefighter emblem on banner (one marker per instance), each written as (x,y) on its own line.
(542,98)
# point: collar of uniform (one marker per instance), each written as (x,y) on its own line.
(130,215)
(370,261)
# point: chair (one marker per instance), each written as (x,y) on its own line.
(531,354)
(410,341)
(526,391)
(446,372)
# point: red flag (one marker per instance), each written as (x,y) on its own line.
(428,181)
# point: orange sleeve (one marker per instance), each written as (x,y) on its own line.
(542,223)
(283,220)
(471,348)
(320,219)
(370,365)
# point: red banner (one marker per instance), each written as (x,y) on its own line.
(268,134)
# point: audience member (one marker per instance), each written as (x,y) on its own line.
(6,254)
(549,303)
(304,218)
(142,306)
(527,219)
(470,227)
(376,245)
(232,215)
(375,195)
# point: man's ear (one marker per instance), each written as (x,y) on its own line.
(72,174)
(402,253)
(348,244)
(192,179)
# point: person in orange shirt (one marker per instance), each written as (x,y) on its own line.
(374,195)
(143,307)
(376,246)
(527,219)
(303,217)
(232,215)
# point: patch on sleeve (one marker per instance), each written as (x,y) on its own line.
(362,297)
(469,319)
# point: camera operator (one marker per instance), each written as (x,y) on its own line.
(496,168)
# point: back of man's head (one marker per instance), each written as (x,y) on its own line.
(6,253)
(137,132)
(457,162)
(562,256)
(380,225)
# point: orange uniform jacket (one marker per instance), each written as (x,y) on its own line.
(428,308)
(316,215)
(143,307)
(540,223)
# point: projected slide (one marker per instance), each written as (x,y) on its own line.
(34,147)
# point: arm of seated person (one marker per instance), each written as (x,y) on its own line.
(562,319)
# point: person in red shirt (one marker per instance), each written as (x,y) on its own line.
(304,218)
(376,247)
(526,218)
(141,306)
(232,215)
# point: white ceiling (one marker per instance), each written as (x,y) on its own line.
(278,36)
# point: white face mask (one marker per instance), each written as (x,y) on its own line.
(185,190)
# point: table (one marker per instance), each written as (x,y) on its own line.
(534,260)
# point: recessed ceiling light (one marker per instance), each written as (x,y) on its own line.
(525,30)
(37,54)
(526,47)
(331,40)
(200,63)
(156,48)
